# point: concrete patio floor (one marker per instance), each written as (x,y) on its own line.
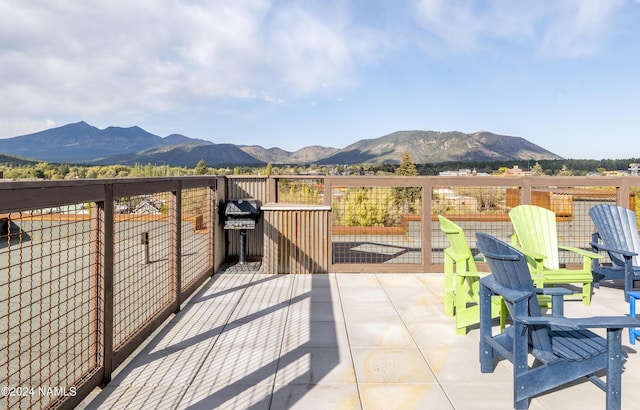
(249,340)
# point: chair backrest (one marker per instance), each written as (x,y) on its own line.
(458,241)
(509,268)
(617,228)
(536,230)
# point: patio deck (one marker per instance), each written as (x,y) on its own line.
(331,341)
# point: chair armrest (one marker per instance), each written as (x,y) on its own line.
(582,252)
(557,298)
(534,255)
(602,247)
(608,322)
(553,291)
(479,258)
(509,295)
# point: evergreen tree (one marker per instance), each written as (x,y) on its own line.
(565,171)
(201,168)
(537,169)
(407,198)
(406,167)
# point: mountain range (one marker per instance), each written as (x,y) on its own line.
(81,143)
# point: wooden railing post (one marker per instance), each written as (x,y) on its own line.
(427,209)
(623,194)
(525,191)
(175,243)
(107,221)
(220,243)
(272,189)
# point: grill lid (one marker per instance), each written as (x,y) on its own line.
(242,208)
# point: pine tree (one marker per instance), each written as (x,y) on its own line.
(201,168)
(406,167)
(407,198)
(537,169)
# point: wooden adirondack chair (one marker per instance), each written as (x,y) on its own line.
(563,349)
(462,288)
(536,235)
(617,235)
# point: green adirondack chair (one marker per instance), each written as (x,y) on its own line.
(462,281)
(536,236)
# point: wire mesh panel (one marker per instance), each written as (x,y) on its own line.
(474,209)
(50,335)
(376,225)
(196,241)
(301,191)
(143,282)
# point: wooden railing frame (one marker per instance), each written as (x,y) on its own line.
(26,195)
(525,185)
(30,195)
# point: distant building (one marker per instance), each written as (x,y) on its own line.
(516,171)
(148,207)
(462,173)
(459,173)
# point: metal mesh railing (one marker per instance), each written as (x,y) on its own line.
(196,238)
(149,242)
(301,191)
(143,281)
(50,332)
(377,224)
(474,209)
(485,209)
(85,277)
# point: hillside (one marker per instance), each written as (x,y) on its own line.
(306,155)
(83,143)
(186,155)
(433,147)
(15,161)
(79,142)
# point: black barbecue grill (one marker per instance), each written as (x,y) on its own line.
(241,215)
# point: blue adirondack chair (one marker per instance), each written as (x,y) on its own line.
(617,235)
(563,347)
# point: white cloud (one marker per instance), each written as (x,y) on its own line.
(121,58)
(580,28)
(564,27)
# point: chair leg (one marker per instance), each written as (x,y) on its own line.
(449,291)
(486,351)
(633,332)
(586,294)
(503,315)
(614,369)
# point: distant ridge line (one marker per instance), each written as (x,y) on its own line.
(82,143)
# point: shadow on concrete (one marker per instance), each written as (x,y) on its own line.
(12,234)
(193,333)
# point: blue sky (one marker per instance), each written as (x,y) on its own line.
(562,74)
